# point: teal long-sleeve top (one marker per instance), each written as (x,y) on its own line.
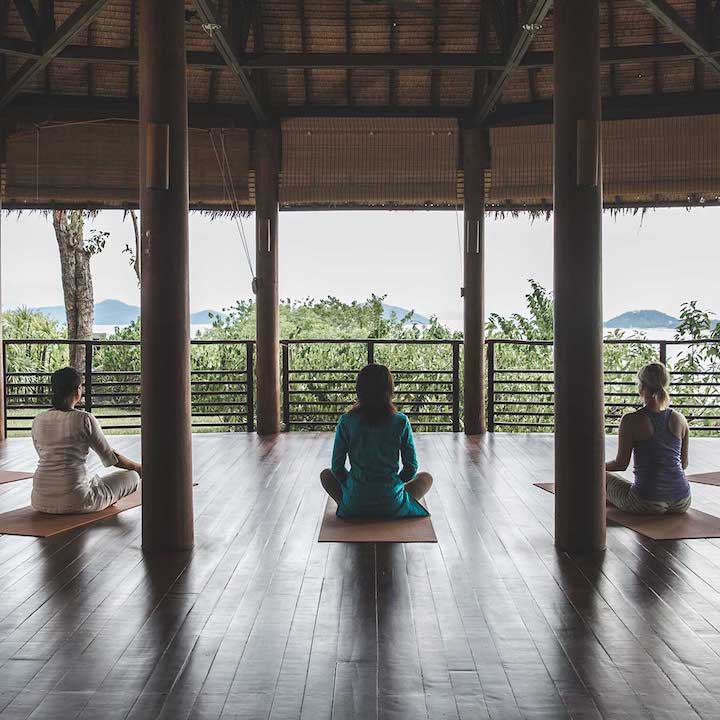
(374,484)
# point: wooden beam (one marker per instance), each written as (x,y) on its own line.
(103,54)
(77,21)
(213,23)
(670,18)
(532,21)
(621,107)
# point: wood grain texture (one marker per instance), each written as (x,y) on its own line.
(262,621)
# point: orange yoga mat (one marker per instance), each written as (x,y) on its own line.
(8,476)
(693,524)
(374,530)
(26,521)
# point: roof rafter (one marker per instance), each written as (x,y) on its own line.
(31,107)
(78,20)
(670,18)
(531,23)
(211,20)
(352,60)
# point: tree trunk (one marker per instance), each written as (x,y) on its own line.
(76,281)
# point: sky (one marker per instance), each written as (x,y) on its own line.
(653,261)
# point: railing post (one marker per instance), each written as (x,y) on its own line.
(88,376)
(456,386)
(249,386)
(663,352)
(286,384)
(491,386)
(4,389)
(370,352)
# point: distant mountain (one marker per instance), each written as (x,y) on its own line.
(115,312)
(399,312)
(643,319)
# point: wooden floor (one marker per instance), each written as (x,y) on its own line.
(261,621)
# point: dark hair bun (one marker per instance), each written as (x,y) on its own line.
(64,384)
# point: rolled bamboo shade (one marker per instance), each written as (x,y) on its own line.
(96,164)
(673,160)
(366,162)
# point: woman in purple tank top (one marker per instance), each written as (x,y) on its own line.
(657,437)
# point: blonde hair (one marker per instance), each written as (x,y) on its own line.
(654,379)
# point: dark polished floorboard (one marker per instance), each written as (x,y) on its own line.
(261,621)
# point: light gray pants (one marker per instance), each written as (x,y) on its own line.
(619,493)
(108,489)
(104,491)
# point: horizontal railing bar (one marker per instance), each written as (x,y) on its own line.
(375,341)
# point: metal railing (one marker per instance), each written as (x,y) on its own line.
(318,383)
(522,398)
(313,395)
(222,383)
(429,394)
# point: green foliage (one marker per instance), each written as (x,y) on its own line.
(523,382)
(320,395)
(22,324)
(322,378)
(696,369)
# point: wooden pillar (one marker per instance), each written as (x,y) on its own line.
(267,166)
(164,205)
(579,407)
(2,354)
(476,156)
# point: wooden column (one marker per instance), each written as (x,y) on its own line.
(267,166)
(2,354)
(476,156)
(164,204)
(579,407)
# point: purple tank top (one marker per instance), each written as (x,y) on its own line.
(659,474)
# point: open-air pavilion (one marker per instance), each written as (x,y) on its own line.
(526,607)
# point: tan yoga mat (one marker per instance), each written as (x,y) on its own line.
(26,521)
(691,525)
(8,476)
(709,478)
(374,530)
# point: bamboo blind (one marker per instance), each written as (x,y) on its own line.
(97,164)
(644,161)
(389,162)
(366,162)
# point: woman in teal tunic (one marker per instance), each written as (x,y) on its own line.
(375,436)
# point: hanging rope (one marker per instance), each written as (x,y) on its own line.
(37,164)
(229,184)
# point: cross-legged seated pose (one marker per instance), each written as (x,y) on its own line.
(63,437)
(375,436)
(657,435)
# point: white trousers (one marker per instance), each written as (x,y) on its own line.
(104,491)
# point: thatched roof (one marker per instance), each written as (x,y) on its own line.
(338,69)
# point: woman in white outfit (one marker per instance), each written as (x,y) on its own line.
(63,437)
